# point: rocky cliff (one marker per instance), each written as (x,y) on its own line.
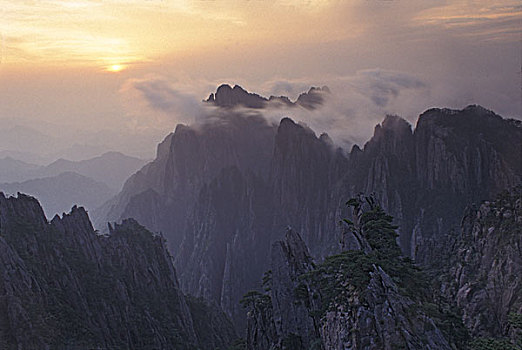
(223,191)
(357,299)
(485,266)
(64,286)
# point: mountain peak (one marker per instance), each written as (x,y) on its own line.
(473,117)
(313,98)
(229,97)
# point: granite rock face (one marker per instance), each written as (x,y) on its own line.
(346,302)
(289,260)
(462,157)
(485,265)
(223,192)
(382,320)
(64,286)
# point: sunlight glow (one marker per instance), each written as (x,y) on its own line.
(115,68)
(102,33)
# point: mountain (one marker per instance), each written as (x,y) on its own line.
(60,193)
(368,298)
(452,159)
(26,157)
(64,286)
(110,168)
(223,191)
(313,98)
(20,138)
(78,152)
(481,272)
(372,297)
(12,169)
(216,175)
(228,97)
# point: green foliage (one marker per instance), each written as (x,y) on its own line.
(491,344)
(380,233)
(255,300)
(515,320)
(340,275)
(377,228)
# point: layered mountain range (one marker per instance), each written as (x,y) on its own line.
(224,190)
(63,286)
(61,192)
(110,168)
(64,183)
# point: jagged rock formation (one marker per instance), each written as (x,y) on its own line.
(64,286)
(347,302)
(223,192)
(228,97)
(485,265)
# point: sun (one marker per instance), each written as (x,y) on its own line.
(115,68)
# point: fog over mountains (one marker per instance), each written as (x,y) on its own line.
(224,190)
(253,245)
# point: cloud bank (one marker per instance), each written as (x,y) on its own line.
(350,112)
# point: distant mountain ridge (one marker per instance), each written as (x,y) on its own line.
(12,169)
(111,168)
(59,193)
(65,183)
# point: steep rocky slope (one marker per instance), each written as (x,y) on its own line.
(358,299)
(64,286)
(163,193)
(485,266)
(222,192)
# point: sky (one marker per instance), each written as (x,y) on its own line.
(96,75)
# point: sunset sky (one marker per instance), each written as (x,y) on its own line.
(123,73)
